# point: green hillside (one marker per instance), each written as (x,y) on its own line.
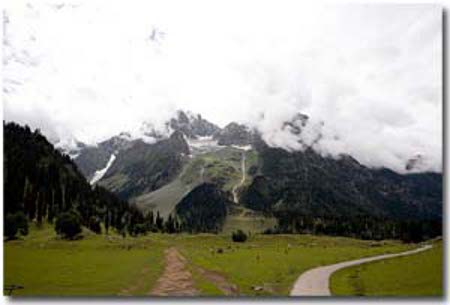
(222,168)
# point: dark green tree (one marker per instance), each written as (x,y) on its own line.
(169,226)
(159,222)
(68,224)
(15,223)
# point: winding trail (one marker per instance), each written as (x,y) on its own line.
(316,282)
(235,188)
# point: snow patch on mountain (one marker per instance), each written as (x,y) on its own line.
(242,147)
(202,145)
(69,146)
(100,173)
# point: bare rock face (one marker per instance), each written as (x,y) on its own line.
(235,134)
(193,125)
(414,163)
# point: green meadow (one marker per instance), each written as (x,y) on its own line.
(415,275)
(270,264)
(111,265)
(94,265)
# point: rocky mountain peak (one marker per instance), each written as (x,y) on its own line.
(192,125)
(178,142)
(235,134)
(414,163)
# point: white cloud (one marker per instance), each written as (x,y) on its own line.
(372,73)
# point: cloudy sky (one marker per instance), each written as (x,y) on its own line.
(371,73)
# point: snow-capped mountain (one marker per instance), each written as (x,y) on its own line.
(200,135)
(93,159)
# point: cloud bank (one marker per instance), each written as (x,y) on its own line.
(371,73)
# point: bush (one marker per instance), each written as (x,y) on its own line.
(68,225)
(15,223)
(239,236)
(138,229)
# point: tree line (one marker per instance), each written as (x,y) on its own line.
(362,226)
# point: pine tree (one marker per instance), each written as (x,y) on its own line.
(159,222)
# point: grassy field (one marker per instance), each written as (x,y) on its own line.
(416,275)
(111,265)
(95,265)
(269,265)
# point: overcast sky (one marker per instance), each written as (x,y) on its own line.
(371,73)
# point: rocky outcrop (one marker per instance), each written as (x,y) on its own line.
(235,134)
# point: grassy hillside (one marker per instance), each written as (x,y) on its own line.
(416,275)
(222,167)
(165,199)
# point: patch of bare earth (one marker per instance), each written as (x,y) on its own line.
(219,281)
(176,279)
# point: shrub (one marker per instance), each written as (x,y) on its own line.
(239,236)
(68,225)
(15,223)
(138,229)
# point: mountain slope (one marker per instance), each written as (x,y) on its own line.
(306,190)
(311,184)
(204,209)
(221,168)
(93,158)
(146,167)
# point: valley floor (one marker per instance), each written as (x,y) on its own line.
(183,264)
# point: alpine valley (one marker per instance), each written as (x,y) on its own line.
(213,179)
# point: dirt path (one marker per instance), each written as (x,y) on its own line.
(315,282)
(235,188)
(219,281)
(176,279)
